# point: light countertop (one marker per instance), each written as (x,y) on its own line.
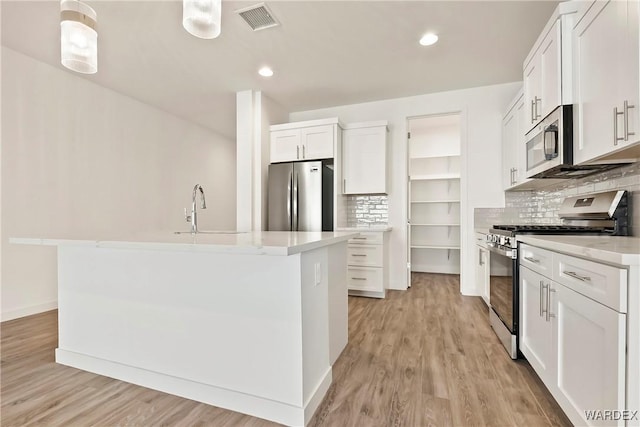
(365,229)
(255,243)
(609,249)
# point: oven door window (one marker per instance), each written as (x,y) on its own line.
(501,288)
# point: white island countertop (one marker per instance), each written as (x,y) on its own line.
(255,242)
(609,249)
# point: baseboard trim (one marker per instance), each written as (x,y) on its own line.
(228,399)
(28,311)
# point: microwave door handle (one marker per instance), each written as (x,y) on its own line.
(550,142)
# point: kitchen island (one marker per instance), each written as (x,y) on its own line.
(250,322)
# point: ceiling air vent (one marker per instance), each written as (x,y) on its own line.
(258,17)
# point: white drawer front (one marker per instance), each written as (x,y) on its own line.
(481,240)
(600,282)
(538,260)
(369,255)
(365,279)
(367,238)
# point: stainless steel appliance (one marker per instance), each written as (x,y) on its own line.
(550,148)
(601,213)
(300,196)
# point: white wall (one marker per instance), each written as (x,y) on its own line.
(482,109)
(82,161)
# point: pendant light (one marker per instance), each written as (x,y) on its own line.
(78,37)
(201,18)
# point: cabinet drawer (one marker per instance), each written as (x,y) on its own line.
(369,255)
(367,238)
(600,282)
(365,279)
(481,240)
(538,260)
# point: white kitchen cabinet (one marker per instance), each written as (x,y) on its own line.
(482,255)
(575,344)
(367,264)
(542,78)
(589,344)
(536,335)
(514,144)
(547,69)
(365,158)
(311,140)
(606,109)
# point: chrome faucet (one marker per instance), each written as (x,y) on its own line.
(193,218)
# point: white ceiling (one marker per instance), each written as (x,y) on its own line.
(324,53)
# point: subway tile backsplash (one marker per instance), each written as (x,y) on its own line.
(542,206)
(367,210)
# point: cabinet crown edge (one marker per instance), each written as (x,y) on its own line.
(307,123)
(359,125)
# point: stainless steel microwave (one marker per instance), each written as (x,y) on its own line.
(550,148)
(550,144)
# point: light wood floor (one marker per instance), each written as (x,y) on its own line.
(424,357)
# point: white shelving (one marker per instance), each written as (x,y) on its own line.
(434,194)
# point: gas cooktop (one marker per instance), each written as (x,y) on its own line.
(547,229)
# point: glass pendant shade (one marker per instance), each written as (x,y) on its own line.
(201,18)
(78,37)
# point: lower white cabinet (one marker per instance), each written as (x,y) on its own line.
(536,335)
(482,266)
(575,344)
(367,264)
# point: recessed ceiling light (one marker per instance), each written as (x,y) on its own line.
(428,39)
(265,72)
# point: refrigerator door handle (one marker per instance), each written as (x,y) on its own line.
(289,189)
(294,224)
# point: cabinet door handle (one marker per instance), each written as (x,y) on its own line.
(616,113)
(480,262)
(538,115)
(515,175)
(577,276)
(298,152)
(533,260)
(533,114)
(344,186)
(626,120)
(358,278)
(303,155)
(549,314)
(542,288)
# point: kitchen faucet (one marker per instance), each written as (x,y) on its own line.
(193,218)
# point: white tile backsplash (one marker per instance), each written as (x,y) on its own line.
(542,206)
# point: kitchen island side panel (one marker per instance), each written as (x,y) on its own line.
(230,321)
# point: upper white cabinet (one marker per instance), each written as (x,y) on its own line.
(310,140)
(513,143)
(547,69)
(365,158)
(606,111)
(542,78)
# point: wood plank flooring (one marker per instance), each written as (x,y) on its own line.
(424,357)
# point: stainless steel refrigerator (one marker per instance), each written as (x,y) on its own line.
(300,196)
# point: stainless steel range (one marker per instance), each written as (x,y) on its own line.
(604,213)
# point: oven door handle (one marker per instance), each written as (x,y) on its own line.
(509,253)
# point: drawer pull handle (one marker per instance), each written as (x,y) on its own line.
(577,276)
(359,238)
(358,255)
(358,278)
(533,260)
